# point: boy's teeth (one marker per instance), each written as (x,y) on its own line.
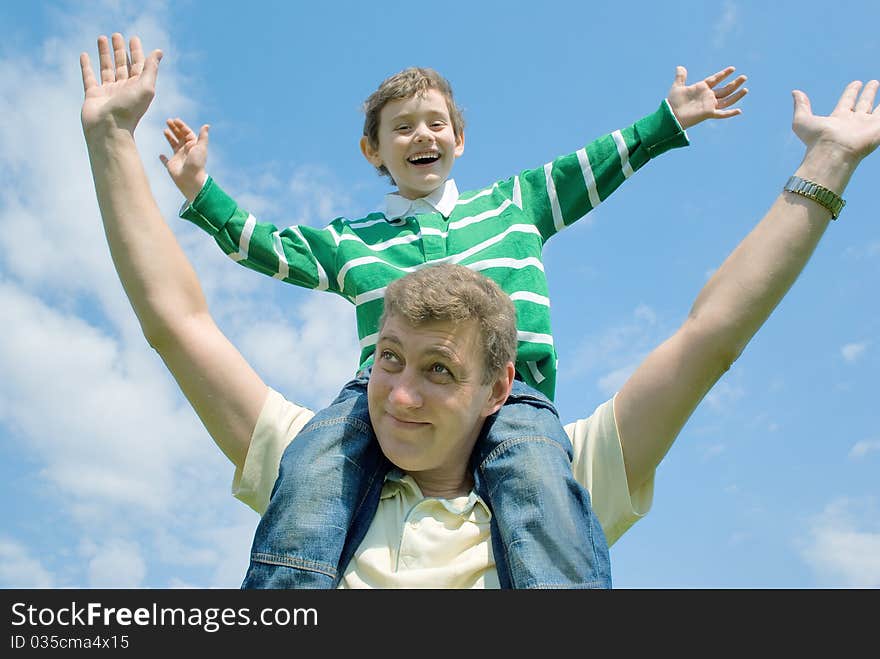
(424,156)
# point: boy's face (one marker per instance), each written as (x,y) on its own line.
(417,143)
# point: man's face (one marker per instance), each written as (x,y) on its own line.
(426,396)
(417,143)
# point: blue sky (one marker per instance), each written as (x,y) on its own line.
(107,477)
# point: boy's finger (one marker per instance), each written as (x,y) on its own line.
(715,78)
(680,75)
(733,98)
(172,139)
(105,58)
(184,129)
(730,87)
(203,134)
(726,114)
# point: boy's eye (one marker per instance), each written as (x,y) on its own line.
(402,127)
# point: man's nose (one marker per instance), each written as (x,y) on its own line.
(405,390)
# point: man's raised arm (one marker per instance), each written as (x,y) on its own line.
(156,275)
(657,400)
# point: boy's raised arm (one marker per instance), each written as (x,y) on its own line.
(155,273)
(656,401)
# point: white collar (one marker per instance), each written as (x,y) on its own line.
(443,200)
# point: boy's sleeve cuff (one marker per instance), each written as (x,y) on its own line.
(659,132)
(211,209)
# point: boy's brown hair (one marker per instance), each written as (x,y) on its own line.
(413,81)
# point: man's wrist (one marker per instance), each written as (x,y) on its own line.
(828,165)
(107,133)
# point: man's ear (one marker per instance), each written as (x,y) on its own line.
(501,389)
(371,154)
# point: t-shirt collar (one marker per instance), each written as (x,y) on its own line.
(442,200)
(396,479)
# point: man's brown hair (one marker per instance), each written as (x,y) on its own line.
(450,292)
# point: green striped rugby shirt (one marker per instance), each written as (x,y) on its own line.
(499,231)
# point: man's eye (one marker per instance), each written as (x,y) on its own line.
(440,369)
(388,356)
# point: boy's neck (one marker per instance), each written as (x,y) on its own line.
(410,197)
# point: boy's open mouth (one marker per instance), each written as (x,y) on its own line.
(425,158)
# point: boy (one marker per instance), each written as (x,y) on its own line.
(413,132)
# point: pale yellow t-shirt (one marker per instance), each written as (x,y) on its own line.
(418,542)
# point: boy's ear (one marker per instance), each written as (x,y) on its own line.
(459,144)
(371,154)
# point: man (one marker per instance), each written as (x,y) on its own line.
(646,414)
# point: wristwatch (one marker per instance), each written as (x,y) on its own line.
(823,196)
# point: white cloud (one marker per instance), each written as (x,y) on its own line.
(842,544)
(116,563)
(727,24)
(109,439)
(305,362)
(616,351)
(851,352)
(103,417)
(611,382)
(18,569)
(862,448)
(723,395)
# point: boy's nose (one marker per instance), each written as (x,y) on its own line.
(422,133)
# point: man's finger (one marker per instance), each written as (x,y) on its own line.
(847,100)
(151,69)
(120,57)
(105,58)
(137,56)
(802,108)
(88,75)
(715,78)
(866,100)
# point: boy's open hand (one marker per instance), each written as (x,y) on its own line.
(186,166)
(695,103)
(127,87)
